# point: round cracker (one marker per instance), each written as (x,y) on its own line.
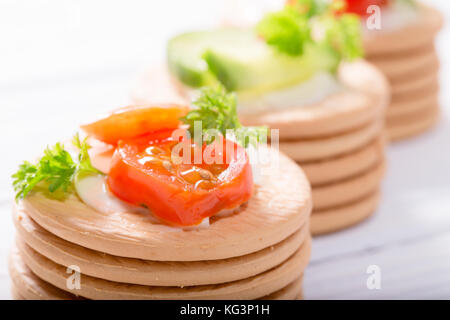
(408,65)
(346,166)
(42,290)
(412,125)
(348,191)
(365,98)
(291,292)
(413,96)
(405,39)
(412,85)
(431,86)
(415,73)
(432,104)
(332,220)
(93,288)
(404,108)
(323,148)
(154,273)
(15,293)
(279,206)
(28,285)
(419,51)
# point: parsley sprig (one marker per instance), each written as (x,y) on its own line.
(285,30)
(216,110)
(291,29)
(56,169)
(84,165)
(342,32)
(309,8)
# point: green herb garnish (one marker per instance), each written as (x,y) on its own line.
(286,30)
(412,3)
(343,35)
(309,8)
(56,169)
(216,110)
(84,165)
(292,28)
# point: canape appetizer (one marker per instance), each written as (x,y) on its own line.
(299,71)
(399,38)
(160,202)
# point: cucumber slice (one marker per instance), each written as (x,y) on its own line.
(184,57)
(242,61)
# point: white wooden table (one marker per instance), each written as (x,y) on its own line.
(62,62)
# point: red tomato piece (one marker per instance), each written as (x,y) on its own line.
(183,193)
(360,6)
(134,121)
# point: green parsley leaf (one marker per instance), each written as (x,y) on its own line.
(216,110)
(25,179)
(56,169)
(251,135)
(343,35)
(84,162)
(291,29)
(310,8)
(412,3)
(286,30)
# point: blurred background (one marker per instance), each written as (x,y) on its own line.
(63,61)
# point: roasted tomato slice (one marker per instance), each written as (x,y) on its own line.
(134,121)
(360,6)
(178,186)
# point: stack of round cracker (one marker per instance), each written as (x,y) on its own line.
(339,143)
(258,252)
(409,60)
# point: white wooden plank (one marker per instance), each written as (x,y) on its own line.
(5,287)
(408,270)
